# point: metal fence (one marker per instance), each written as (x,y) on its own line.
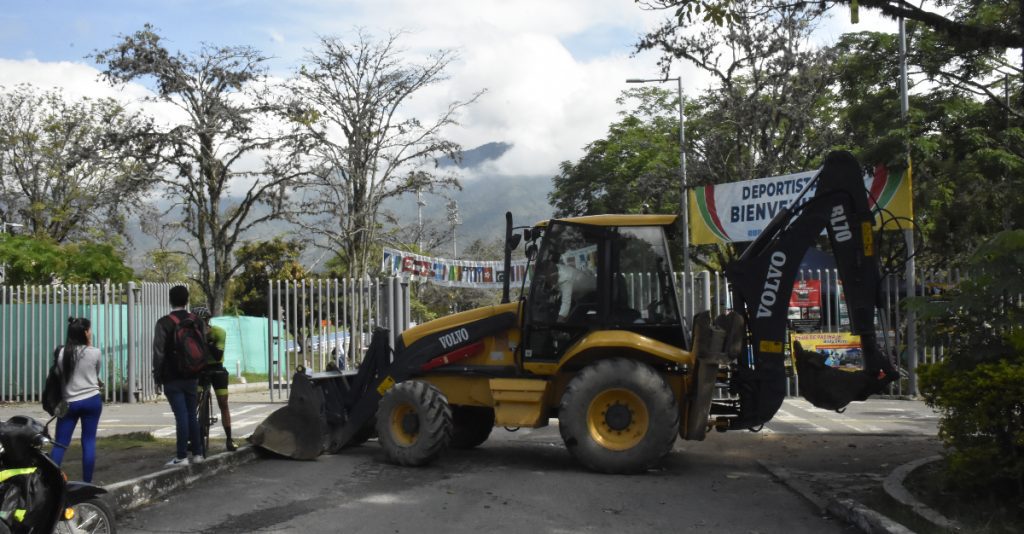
(320,321)
(33,322)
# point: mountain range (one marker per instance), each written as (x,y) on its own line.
(482,204)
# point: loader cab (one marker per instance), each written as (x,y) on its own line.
(608,272)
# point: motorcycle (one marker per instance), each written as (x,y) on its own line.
(35,494)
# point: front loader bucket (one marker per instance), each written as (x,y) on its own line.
(830,388)
(297,430)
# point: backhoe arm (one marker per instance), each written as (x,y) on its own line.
(762,280)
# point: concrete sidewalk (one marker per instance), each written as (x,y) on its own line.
(250,404)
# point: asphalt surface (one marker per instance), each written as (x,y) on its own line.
(772,481)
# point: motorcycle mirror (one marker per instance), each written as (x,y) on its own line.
(514,241)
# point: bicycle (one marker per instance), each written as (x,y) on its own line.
(204,411)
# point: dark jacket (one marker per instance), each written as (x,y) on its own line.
(164,368)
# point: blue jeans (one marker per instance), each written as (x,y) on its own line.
(88,410)
(181,394)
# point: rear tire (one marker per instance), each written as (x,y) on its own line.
(92,516)
(471,426)
(618,416)
(414,423)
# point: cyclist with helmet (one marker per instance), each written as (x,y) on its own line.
(216,338)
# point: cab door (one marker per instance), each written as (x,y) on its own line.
(565,291)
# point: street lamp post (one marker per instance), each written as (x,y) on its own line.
(684,207)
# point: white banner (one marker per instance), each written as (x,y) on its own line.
(453,273)
(739,211)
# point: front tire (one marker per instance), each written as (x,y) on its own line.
(92,516)
(414,423)
(618,416)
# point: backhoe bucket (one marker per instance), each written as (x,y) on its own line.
(297,430)
(832,389)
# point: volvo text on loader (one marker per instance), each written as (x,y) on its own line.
(598,342)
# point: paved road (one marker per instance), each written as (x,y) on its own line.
(876,416)
(527,482)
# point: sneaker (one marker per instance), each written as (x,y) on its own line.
(175,462)
(197,459)
(230,446)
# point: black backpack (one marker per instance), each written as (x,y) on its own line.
(190,350)
(53,389)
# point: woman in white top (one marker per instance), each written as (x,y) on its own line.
(79,364)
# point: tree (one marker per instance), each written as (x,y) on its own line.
(277,259)
(964,44)
(971,24)
(768,112)
(68,167)
(43,261)
(163,264)
(350,107)
(966,151)
(978,386)
(223,95)
(634,169)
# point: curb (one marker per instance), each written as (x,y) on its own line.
(895,488)
(137,492)
(864,518)
(248,387)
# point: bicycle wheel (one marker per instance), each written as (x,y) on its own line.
(205,419)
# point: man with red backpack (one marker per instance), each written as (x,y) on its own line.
(179,354)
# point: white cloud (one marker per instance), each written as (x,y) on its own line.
(546,101)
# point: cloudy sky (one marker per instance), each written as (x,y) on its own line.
(552,68)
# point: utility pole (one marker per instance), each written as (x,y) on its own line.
(908,234)
(419,219)
(684,205)
(455,220)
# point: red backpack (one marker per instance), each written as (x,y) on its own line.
(190,349)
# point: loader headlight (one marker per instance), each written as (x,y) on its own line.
(69,513)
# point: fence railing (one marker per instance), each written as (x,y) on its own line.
(323,321)
(33,322)
(315,322)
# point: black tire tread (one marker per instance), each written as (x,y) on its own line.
(643,380)
(435,432)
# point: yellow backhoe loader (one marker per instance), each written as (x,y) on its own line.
(598,343)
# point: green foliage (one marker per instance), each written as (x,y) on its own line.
(165,266)
(94,262)
(263,261)
(69,168)
(979,385)
(966,24)
(30,260)
(634,169)
(226,106)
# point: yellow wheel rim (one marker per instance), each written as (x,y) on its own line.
(617,419)
(398,431)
